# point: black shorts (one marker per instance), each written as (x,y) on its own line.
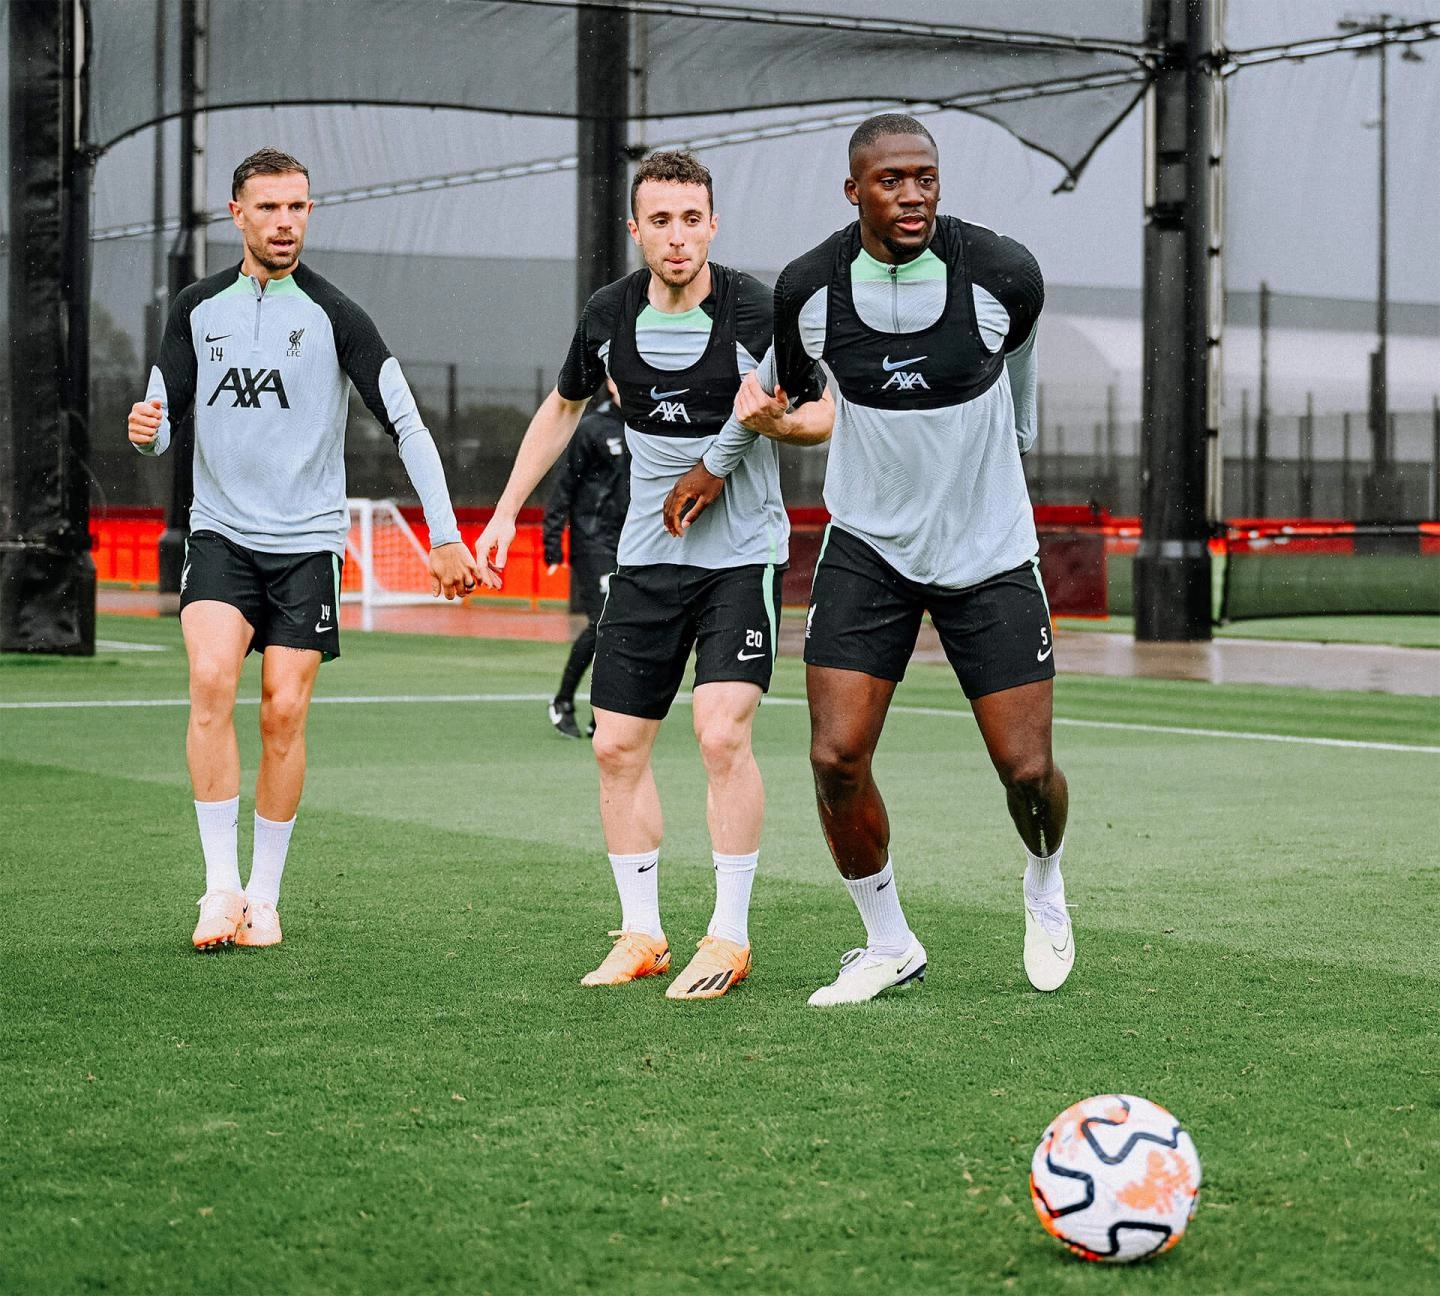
(865,616)
(656,613)
(290,600)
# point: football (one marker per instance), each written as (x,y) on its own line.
(1115,1178)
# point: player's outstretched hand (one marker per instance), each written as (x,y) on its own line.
(691,496)
(758,410)
(496,538)
(143,425)
(452,570)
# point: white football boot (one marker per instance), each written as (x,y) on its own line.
(1049,944)
(864,974)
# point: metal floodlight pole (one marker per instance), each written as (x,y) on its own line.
(155,313)
(1381,494)
(1181,338)
(1262,418)
(602,91)
(1380,502)
(187,264)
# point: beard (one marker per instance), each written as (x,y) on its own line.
(678,278)
(904,252)
(273,261)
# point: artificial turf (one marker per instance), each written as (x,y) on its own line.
(413,1094)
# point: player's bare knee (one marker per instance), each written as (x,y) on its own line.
(282,720)
(724,744)
(1029,776)
(617,759)
(838,769)
(212,691)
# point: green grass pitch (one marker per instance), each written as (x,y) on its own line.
(412,1093)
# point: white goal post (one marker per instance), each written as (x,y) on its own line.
(391,566)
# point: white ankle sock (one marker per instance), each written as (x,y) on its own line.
(734,876)
(272,843)
(886,931)
(1042,876)
(637,878)
(219,832)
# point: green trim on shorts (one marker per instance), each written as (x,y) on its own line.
(819,558)
(768,593)
(335,567)
(1035,567)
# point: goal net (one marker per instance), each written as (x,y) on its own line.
(385,563)
(1313,568)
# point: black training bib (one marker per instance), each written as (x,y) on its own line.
(945,364)
(689,402)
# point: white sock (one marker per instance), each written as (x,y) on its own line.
(1042,876)
(637,878)
(272,843)
(886,931)
(219,832)
(734,875)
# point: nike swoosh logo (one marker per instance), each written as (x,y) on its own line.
(744,656)
(886,364)
(1068,946)
(883,885)
(646,868)
(219,337)
(659,395)
(321,627)
(1041,656)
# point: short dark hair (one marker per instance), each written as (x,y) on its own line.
(672,167)
(872,128)
(265,161)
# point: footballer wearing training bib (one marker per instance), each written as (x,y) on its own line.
(926,327)
(676,338)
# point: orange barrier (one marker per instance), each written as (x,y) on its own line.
(126,545)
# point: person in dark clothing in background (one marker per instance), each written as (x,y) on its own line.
(592,493)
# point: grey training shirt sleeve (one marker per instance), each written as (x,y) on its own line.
(419,454)
(735,439)
(381,384)
(1020,365)
(172,377)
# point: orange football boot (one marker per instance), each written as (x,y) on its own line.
(634,955)
(718,966)
(261,926)
(222,913)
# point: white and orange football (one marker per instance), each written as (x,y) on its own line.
(1115,1178)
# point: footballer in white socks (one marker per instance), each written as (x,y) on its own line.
(219,836)
(734,876)
(637,878)
(222,907)
(1049,938)
(267,867)
(891,955)
(262,893)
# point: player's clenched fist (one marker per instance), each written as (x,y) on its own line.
(143,424)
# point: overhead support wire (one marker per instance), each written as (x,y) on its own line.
(1366,38)
(881,26)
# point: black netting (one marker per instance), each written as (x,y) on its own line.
(520,57)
